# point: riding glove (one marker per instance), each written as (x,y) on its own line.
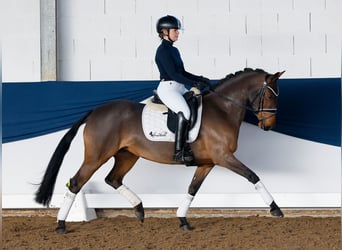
(203,83)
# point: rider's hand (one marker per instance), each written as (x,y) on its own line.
(201,85)
(204,82)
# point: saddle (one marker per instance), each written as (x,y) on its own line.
(159,122)
(192,102)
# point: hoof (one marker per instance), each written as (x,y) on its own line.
(139,212)
(276,211)
(185,226)
(60,229)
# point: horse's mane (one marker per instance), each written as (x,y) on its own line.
(236,74)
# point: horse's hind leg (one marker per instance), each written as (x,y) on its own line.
(124,161)
(238,167)
(199,176)
(74,185)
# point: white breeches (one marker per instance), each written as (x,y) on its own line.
(171,94)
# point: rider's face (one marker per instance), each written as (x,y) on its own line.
(173,34)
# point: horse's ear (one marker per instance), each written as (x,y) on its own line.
(280,73)
(274,77)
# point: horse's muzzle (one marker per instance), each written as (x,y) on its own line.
(266,128)
(267,120)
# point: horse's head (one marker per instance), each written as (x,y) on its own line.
(264,103)
(253,90)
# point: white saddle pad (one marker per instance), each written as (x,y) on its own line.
(154,123)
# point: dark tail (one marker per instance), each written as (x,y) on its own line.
(45,191)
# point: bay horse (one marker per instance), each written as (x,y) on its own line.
(115,130)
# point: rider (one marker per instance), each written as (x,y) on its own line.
(171,88)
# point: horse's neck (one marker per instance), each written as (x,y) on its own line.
(228,107)
(232,98)
(237,91)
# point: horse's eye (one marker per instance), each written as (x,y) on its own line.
(270,96)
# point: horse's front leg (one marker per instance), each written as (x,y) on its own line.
(197,180)
(238,167)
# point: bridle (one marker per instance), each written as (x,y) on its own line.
(261,96)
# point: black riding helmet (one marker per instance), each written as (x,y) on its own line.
(168,22)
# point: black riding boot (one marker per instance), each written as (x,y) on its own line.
(181,134)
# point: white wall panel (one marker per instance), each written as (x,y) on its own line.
(71,73)
(218,7)
(253,24)
(325,65)
(155,71)
(294,22)
(214,46)
(125,29)
(295,66)
(269,23)
(109,25)
(236,24)
(196,25)
(25,69)
(188,46)
(328,21)
(268,63)
(277,44)
(121,47)
(88,46)
(309,44)
(333,44)
(277,5)
(146,46)
(137,69)
(137,26)
(152,7)
(202,66)
(106,68)
(241,6)
(246,45)
(309,5)
(224,65)
(333,5)
(87,8)
(119,7)
(181,7)
(20,41)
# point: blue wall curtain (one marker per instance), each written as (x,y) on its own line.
(307,108)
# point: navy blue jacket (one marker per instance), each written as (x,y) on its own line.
(171,66)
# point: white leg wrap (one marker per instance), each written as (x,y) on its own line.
(129,195)
(184,207)
(63,212)
(267,197)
